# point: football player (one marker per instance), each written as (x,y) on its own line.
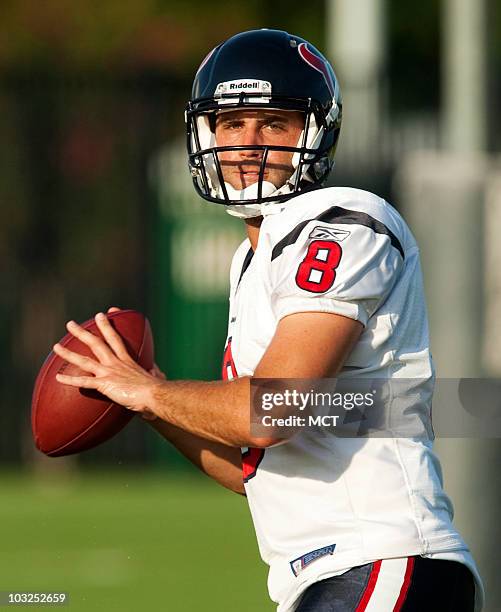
(326,284)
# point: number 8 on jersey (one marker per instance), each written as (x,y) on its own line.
(317,271)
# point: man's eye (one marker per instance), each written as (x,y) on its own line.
(276,127)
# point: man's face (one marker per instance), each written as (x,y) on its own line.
(257,127)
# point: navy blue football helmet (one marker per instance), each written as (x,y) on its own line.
(263,69)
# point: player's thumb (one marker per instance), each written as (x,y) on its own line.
(157,372)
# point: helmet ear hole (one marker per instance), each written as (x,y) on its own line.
(212,122)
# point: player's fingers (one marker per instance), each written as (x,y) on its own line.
(112,337)
(84,363)
(113,309)
(86,382)
(96,345)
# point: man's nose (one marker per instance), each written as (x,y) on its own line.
(252,137)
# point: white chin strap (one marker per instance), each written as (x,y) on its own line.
(248,193)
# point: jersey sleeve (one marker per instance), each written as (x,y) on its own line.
(343,269)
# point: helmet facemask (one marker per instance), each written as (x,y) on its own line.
(310,164)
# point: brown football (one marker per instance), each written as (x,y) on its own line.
(67,420)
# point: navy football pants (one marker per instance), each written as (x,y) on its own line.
(412,584)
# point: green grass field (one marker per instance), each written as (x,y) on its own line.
(130,541)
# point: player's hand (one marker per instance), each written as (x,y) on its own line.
(155,371)
(113,372)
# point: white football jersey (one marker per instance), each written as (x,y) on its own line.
(322,505)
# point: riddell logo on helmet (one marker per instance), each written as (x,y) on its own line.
(245,85)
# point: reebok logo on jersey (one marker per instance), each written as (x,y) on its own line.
(300,563)
(326,233)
